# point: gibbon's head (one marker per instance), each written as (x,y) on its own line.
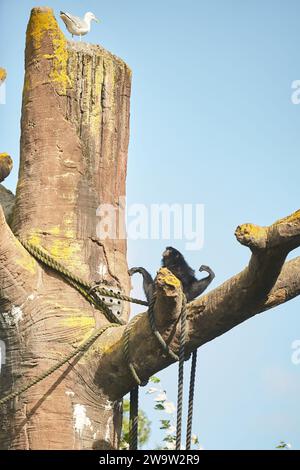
(170,255)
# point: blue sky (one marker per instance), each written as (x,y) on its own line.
(212,122)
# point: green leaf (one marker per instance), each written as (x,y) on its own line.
(169,438)
(126,405)
(165,423)
(154,379)
(159,406)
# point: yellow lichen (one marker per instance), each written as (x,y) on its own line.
(59,73)
(69,233)
(4,155)
(61,245)
(295,217)
(24,260)
(54,230)
(42,22)
(96,111)
(166,277)
(2,75)
(252,235)
(85,323)
(79,322)
(63,250)
(34,238)
(110,91)
(251,231)
(60,248)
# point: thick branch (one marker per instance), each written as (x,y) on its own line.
(264,284)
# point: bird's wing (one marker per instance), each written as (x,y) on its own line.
(77,22)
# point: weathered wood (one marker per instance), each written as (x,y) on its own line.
(75,131)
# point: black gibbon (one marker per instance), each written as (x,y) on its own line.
(173,260)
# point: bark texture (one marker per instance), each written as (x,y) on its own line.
(7,200)
(75,132)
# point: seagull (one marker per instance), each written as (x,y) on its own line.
(78,26)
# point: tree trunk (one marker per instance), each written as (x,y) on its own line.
(75,131)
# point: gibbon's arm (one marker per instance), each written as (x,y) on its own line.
(196,288)
(148,283)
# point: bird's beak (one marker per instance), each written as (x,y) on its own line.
(96,19)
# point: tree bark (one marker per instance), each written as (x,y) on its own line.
(75,131)
(74,140)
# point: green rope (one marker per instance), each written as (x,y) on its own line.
(44,257)
(86,290)
(98,303)
(92,294)
(80,349)
(156,333)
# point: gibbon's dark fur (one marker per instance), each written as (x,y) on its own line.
(173,260)
(148,282)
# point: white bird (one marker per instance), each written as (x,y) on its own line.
(78,26)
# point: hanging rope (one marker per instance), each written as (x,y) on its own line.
(191,401)
(80,349)
(180,375)
(156,333)
(92,294)
(134,394)
(134,419)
